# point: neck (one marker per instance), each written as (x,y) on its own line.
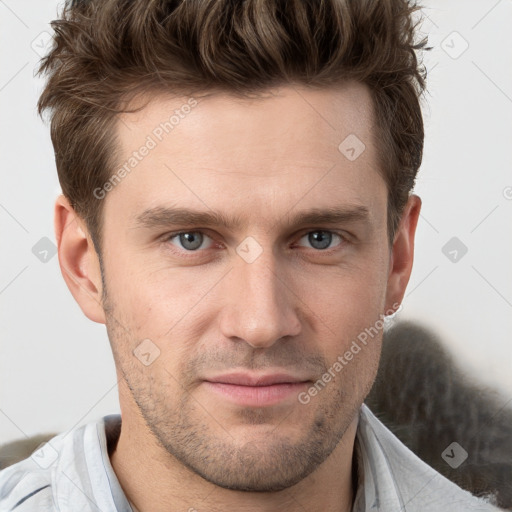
(153,480)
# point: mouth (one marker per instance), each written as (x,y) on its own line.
(256,390)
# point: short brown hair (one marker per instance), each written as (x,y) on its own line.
(106,52)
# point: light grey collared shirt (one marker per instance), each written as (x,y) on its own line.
(73,473)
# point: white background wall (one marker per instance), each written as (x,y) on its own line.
(56,367)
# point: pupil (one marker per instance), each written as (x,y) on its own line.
(188,238)
(320,236)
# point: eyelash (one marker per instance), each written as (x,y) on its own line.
(187,253)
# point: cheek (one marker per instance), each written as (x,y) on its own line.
(142,288)
(166,305)
(347,295)
(347,306)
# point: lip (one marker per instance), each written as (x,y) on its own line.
(255,379)
(256,390)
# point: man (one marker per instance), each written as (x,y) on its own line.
(237,210)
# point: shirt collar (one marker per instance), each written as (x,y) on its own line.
(376,487)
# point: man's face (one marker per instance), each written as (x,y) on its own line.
(260,297)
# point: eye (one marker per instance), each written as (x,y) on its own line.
(193,241)
(321,240)
(189,240)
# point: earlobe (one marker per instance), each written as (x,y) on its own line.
(402,253)
(78,260)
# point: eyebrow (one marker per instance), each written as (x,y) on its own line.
(160,216)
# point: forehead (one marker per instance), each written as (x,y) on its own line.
(294,145)
(281,116)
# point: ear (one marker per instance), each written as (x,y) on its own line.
(78,260)
(402,254)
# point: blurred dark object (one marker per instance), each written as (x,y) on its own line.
(424,399)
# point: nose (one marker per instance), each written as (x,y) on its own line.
(261,306)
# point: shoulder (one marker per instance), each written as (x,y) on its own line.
(28,484)
(32,483)
(68,473)
(394,473)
